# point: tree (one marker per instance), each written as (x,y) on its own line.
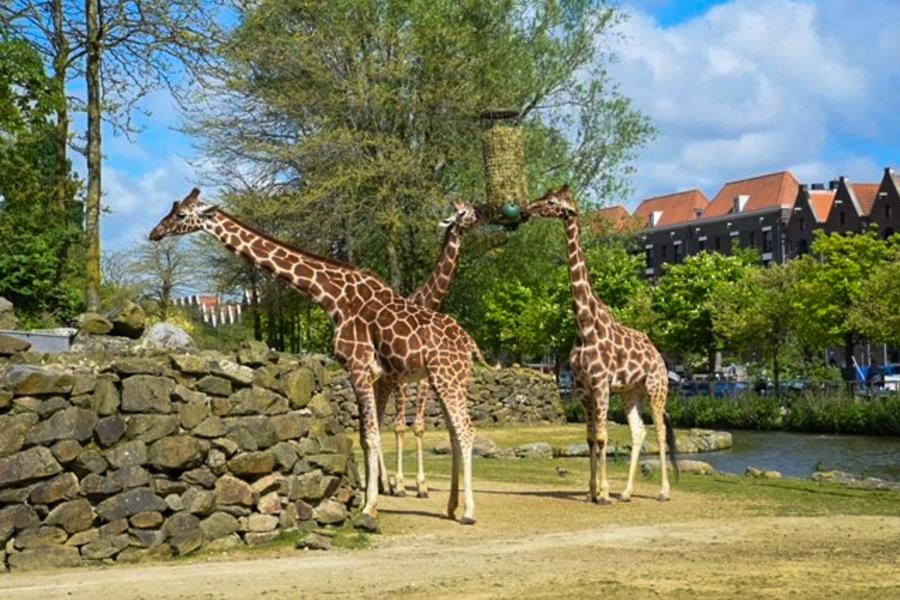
(758,313)
(360,114)
(683,302)
(165,269)
(830,285)
(874,311)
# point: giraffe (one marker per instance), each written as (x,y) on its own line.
(431,295)
(609,358)
(380,338)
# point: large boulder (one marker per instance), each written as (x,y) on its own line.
(130,503)
(8,319)
(177,452)
(13,429)
(91,323)
(10,345)
(31,380)
(147,393)
(167,337)
(47,557)
(73,516)
(69,424)
(128,321)
(34,463)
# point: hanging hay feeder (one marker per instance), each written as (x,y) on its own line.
(506,177)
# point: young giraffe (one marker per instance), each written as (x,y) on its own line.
(609,358)
(431,295)
(380,338)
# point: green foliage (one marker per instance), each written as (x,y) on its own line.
(683,301)
(846,414)
(874,312)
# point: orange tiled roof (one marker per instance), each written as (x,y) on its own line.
(765,191)
(615,218)
(676,208)
(865,194)
(821,203)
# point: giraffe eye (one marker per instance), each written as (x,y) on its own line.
(181,214)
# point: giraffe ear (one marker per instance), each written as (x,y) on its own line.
(207,209)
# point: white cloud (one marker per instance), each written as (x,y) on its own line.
(755,86)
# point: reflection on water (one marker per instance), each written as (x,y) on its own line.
(798,454)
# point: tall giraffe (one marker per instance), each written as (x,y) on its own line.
(380,338)
(609,358)
(430,295)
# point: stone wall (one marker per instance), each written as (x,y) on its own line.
(164,454)
(496,397)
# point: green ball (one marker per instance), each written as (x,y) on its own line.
(510,211)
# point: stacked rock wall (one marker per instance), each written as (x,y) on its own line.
(496,397)
(165,454)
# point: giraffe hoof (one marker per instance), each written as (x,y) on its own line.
(422,494)
(400,492)
(449,514)
(603,501)
(624,498)
(467,521)
(663,497)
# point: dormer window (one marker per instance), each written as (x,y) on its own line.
(740,201)
(655,218)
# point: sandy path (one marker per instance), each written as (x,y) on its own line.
(535,542)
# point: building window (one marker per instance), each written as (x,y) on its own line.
(679,253)
(718,243)
(802,224)
(752,243)
(802,247)
(843,218)
(648,254)
(701,245)
(663,251)
(887,210)
(768,241)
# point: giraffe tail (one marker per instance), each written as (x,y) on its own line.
(478,355)
(670,442)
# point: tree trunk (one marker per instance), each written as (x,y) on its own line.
(60,60)
(776,372)
(396,273)
(94,156)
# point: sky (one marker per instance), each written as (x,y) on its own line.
(735,88)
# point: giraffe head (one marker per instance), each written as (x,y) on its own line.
(465,217)
(186,216)
(558,204)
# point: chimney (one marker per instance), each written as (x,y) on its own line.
(817,187)
(655,217)
(740,201)
(833,184)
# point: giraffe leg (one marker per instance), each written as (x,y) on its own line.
(658,393)
(399,487)
(636,425)
(453,499)
(590,410)
(419,430)
(601,401)
(382,395)
(370,439)
(452,394)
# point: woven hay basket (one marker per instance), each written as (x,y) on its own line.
(506,176)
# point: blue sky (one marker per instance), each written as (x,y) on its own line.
(736,89)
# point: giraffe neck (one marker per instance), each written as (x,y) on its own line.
(588,308)
(433,292)
(308,273)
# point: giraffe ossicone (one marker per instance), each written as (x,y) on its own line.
(609,358)
(380,338)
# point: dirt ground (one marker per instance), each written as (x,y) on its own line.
(540,540)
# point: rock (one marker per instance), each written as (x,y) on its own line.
(314,541)
(129,454)
(166,337)
(115,527)
(94,324)
(258,538)
(30,380)
(16,495)
(201,476)
(269,504)
(10,345)
(332,463)
(5,399)
(299,386)
(252,463)
(483,447)
(149,428)
(34,463)
(49,406)
(684,466)
(189,396)
(105,547)
(366,523)
(84,537)
(41,536)
(48,557)
(106,398)
(219,406)
(253,353)
(90,461)
(218,525)
(61,487)
(8,318)
(267,484)
(215,386)
(252,432)
(73,516)
(198,502)
(234,372)
(329,512)
(260,523)
(129,321)
(211,427)
(231,490)
(216,461)
(290,427)
(147,520)
(308,486)
(130,477)
(192,414)
(137,366)
(94,486)
(252,401)
(13,429)
(109,430)
(174,502)
(320,406)
(131,502)
(146,538)
(187,541)
(18,517)
(146,393)
(535,450)
(285,455)
(175,453)
(69,424)
(66,451)
(224,544)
